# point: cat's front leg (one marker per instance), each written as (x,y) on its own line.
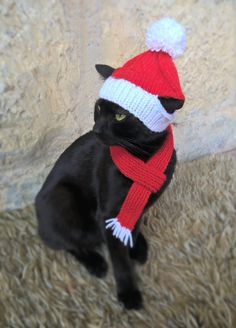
(127,289)
(139,252)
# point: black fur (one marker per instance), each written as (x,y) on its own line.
(84,188)
(104,70)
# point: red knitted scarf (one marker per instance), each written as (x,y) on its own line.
(148,177)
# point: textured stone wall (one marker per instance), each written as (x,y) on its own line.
(48,83)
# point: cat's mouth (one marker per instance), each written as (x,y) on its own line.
(128,144)
(133,148)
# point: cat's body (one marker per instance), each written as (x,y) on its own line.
(85,188)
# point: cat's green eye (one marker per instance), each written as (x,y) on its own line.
(98,108)
(120,117)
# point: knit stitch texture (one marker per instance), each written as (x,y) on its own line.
(147,178)
(138,85)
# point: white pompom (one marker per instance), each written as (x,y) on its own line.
(166,35)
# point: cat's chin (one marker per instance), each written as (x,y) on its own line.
(103,140)
(135,149)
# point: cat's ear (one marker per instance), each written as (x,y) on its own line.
(171,104)
(104,70)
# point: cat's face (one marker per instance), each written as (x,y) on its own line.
(116,126)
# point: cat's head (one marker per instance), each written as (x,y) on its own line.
(116,126)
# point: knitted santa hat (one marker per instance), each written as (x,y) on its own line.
(137,85)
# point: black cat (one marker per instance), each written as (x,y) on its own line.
(85,188)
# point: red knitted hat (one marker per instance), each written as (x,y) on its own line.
(137,85)
(154,72)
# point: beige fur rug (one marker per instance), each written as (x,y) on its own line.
(188,281)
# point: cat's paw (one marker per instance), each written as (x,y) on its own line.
(132,299)
(94,263)
(139,252)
